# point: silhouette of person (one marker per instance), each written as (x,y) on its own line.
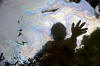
(60,51)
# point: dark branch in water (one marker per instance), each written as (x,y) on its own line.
(52,10)
(21,43)
(2,57)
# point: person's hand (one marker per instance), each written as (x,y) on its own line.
(77,30)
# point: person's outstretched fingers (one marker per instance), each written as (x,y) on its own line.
(77,25)
(82,25)
(84,32)
(73,25)
(84,29)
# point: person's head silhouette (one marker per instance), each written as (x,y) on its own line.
(58,31)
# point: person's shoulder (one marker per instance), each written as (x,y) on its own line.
(48,44)
(68,40)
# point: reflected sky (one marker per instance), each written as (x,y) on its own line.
(36,25)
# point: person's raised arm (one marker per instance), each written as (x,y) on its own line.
(77,31)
